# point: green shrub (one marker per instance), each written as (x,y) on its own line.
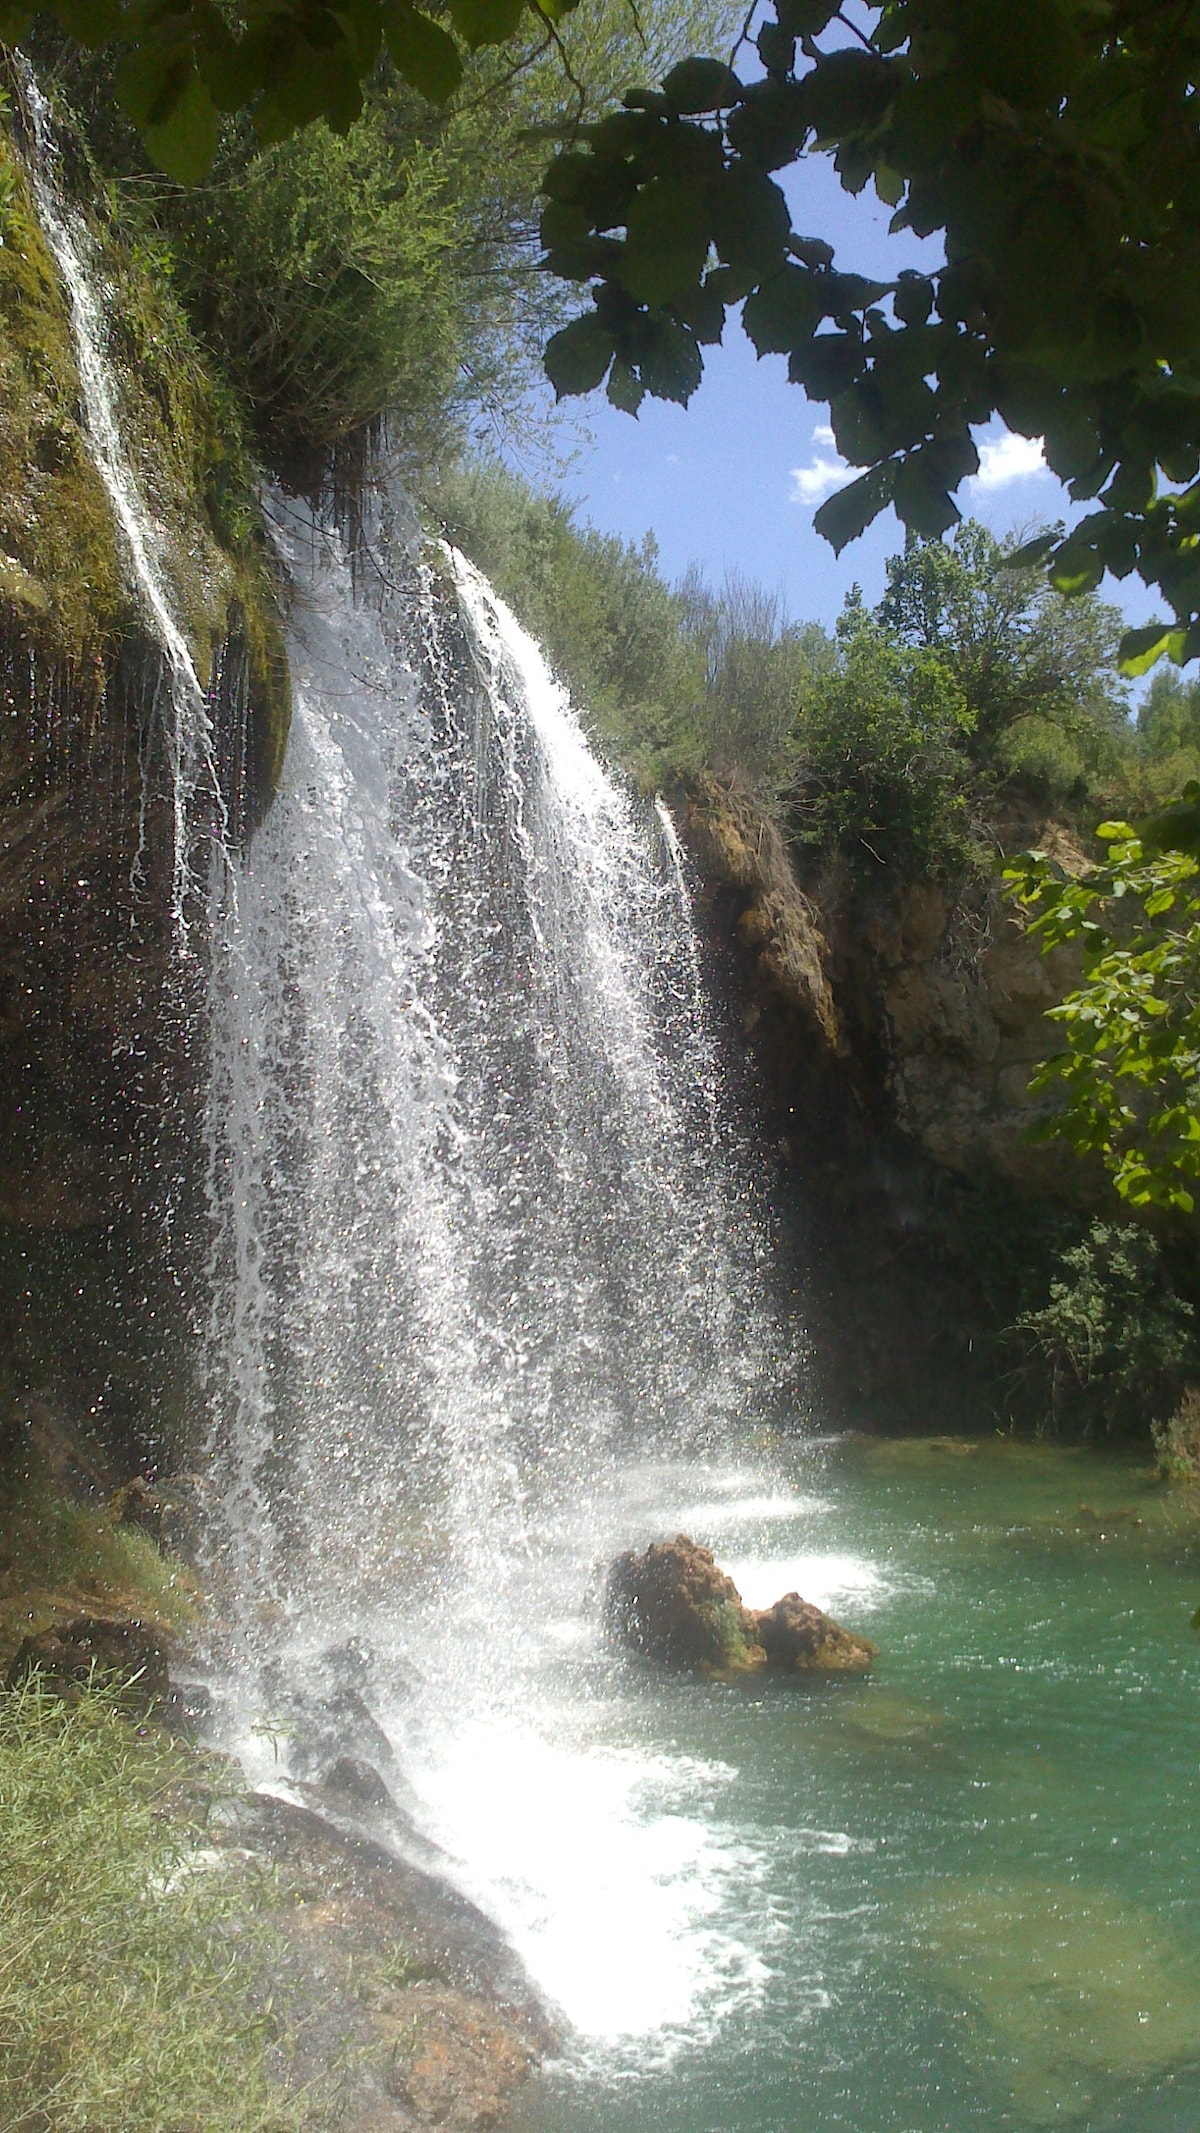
(128,1949)
(1023,655)
(881,771)
(1114,1344)
(58,1557)
(1177,1442)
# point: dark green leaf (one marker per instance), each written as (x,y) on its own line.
(481,22)
(151,81)
(701,85)
(806,18)
(185,142)
(786,310)
(776,48)
(624,390)
(666,247)
(1031,552)
(750,225)
(922,503)
(851,510)
(912,298)
(769,126)
(1141,649)
(853,292)
(423,53)
(811,251)
(90,22)
(847,91)
(826,365)
(669,360)
(702,309)
(577,358)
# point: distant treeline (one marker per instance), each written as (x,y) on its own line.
(970,696)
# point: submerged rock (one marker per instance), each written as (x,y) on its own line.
(1065,1991)
(673,1603)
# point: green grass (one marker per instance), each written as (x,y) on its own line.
(129,1947)
(59,1558)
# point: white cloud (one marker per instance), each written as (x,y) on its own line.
(1002,460)
(1008,458)
(825,472)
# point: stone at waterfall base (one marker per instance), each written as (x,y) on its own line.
(672,1603)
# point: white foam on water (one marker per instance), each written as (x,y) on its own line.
(701,1518)
(828,1580)
(611,1870)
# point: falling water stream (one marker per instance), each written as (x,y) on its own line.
(490,1281)
(183,712)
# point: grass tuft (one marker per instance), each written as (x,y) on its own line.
(129,1946)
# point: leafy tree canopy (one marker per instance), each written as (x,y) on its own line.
(1130,1072)
(290,61)
(1055,145)
(1019,649)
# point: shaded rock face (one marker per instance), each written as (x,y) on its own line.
(890,1030)
(68,1658)
(673,1603)
(100,1056)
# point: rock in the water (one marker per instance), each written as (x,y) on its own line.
(674,1604)
(796,1634)
(73,1655)
(358,1782)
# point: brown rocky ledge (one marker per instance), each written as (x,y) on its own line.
(673,1604)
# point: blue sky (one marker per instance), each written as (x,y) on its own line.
(733,480)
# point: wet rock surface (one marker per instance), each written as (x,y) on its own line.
(674,1604)
(392,1988)
(793,1633)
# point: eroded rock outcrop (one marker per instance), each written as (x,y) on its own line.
(674,1604)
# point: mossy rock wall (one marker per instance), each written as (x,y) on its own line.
(101,1057)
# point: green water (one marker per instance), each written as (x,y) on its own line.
(970,1883)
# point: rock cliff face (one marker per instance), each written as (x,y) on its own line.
(96,1044)
(893,1028)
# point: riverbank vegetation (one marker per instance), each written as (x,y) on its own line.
(130,1946)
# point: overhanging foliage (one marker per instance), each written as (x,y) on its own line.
(1057,148)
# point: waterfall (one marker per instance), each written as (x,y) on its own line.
(184,718)
(482,1254)
(482,1247)
(468,1204)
